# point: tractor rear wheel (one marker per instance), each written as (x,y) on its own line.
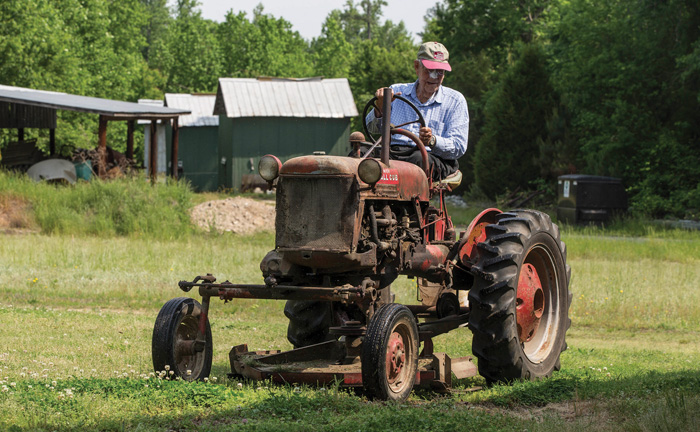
(520,300)
(390,353)
(309,321)
(173,344)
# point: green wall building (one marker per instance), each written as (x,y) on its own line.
(284,117)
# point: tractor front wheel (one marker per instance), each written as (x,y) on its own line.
(174,346)
(520,300)
(390,353)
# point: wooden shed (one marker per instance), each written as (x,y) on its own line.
(284,117)
(22,108)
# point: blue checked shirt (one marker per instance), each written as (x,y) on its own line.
(445,113)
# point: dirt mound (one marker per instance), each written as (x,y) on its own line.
(238,214)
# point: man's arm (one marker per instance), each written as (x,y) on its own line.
(452,144)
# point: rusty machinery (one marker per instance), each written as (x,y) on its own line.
(346,228)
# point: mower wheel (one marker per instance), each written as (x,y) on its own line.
(309,322)
(173,345)
(520,300)
(390,353)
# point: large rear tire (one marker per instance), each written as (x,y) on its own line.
(173,344)
(520,299)
(309,321)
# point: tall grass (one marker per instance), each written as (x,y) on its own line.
(124,207)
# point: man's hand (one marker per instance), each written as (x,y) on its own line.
(379,94)
(426,136)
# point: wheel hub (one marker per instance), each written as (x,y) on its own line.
(529,305)
(395,357)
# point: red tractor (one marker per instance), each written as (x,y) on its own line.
(346,228)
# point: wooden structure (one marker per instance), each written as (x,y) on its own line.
(22,108)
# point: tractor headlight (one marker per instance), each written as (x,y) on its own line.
(269,167)
(370,171)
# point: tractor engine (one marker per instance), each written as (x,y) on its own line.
(333,227)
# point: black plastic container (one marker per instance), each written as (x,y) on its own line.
(586,199)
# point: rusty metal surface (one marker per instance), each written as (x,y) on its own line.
(227,291)
(316,212)
(476,233)
(431,329)
(332,350)
(428,259)
(403,181)
(433,371)
(464,367)
(530,302)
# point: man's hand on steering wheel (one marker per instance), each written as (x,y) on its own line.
(426,136)
(379,94)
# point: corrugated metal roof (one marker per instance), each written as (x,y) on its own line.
(154,102)
(266,97)
(200,105)
(65,101)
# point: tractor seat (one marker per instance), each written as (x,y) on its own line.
(453,180)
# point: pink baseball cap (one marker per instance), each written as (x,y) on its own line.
(434,55)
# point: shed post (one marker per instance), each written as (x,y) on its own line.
(130,139)
(20,134)
(175,144)
(52,141)
(102,147)
(153,152)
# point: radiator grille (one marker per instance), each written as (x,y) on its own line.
(316,213)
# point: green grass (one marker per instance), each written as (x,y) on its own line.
(78,303)
(124,207)
(77,314)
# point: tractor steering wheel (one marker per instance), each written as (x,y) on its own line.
(398,129)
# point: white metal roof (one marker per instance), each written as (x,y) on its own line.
(200,105)
(271,97)
(65,101)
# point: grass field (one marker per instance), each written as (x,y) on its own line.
(77,315)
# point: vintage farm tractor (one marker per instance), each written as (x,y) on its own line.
(346,228)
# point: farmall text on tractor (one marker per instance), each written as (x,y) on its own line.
(346,228)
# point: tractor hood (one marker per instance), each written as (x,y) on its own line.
(401,180)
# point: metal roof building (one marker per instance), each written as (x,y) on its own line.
(284,117)
(198,159)
(22,108)
(201,107)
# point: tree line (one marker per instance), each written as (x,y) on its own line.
(553,86)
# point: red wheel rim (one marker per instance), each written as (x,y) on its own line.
(395,357)
(530,302)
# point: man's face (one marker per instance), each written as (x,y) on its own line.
(429,79)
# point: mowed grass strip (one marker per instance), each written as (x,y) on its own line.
(77,316)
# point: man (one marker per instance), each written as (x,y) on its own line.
(444,109)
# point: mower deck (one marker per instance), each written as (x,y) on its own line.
(327,363)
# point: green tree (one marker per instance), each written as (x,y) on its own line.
(333,53)
(155,31)
(627,72)
(194,51)
(265,46)
(361,23)
(515,125)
